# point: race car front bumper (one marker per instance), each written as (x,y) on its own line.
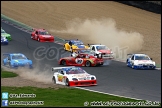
(99,62)
(16,65)
(144,66)
(43,39)
(4,42)
(83,83)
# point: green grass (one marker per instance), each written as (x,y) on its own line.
(65,97)
(158,65)
(7,74)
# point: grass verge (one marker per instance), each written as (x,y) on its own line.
(7,74)
(61,97)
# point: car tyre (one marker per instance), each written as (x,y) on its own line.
(67,82)
(54,80)
(127,64)
(38,39)
(10,65)
(132,66)
(4,63)
(87,63)
(63,62)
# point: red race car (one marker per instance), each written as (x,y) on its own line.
(41,35)
(84,58)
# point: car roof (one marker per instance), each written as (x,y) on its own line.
(16,54)
(140,54)
(67,69)
(40,30)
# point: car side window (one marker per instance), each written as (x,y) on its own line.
(93,48)
(62,72)
(9,58)
(36,32)
(132,58)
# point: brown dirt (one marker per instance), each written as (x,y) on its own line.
(25,79)
(106,22)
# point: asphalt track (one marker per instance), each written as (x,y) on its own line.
(116,78)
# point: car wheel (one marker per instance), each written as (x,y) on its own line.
(71,49)
(64,48)
(63,62)
(127,63)
(99,55)
(54,80)
(4,63)
(88,64)
(67,82)
(10,66)
(132,66)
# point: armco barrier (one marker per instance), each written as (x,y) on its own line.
(24,26)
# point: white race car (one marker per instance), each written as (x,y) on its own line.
(103,50)
(140,61)
(72,76)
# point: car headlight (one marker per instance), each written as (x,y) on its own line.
(92,78)
(15,63)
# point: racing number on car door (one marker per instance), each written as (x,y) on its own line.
(79,60)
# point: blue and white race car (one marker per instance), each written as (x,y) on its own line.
(4,41)
(15,60)
(140,61)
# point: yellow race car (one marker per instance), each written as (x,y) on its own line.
(71,45)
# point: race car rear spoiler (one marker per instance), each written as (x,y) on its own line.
(59,68)
(93,44)
(129,54)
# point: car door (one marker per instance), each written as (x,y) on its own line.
(60,76)
(79,60)
(9,60)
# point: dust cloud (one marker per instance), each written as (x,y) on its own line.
(104,31)
(36,74)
